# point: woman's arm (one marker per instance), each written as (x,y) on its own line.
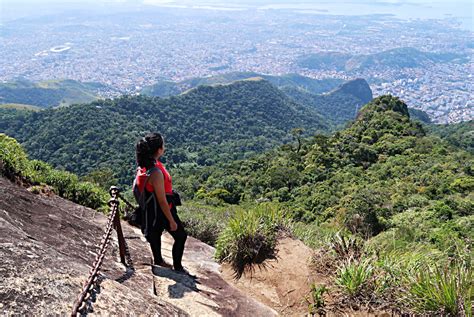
(158,183)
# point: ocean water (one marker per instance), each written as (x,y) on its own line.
(462,10)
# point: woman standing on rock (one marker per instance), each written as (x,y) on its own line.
(156,198)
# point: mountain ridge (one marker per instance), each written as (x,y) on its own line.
(241,118)
(46,94)
(167,88)
(402,57)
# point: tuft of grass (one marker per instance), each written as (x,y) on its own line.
(446,291)
(205,222)
(346,246)
(250,237)
(314,235)
(353,276)
(316,302)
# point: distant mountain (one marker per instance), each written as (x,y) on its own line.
(403,57)
(419,115)
(338,106)
(48,93)
(324,61)
(316,86)
(202,126)
(341,105)
(460,134)
(19,106)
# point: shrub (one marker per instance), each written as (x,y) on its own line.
(447,291)
(346,246)
(64,182)
(13,160)
(353,276)
(316,303)
(87,194)
(14,164)
(222,194)
(39,170)
(250,237)
(204,222)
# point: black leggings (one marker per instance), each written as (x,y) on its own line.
(179,236)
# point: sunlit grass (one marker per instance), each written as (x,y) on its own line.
(250,236)
(353,276)
(447,291)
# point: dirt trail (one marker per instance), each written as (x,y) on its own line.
(281,283)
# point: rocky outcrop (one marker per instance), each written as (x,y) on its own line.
(48,245)
(358,88)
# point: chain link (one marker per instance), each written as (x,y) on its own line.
(90,287)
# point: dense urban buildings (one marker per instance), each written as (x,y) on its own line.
(128,51)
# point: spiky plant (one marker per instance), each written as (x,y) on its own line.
(353,276)
(250,237)
(345,246)
(316,302)
(447,291)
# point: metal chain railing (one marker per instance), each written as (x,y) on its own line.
(93,280)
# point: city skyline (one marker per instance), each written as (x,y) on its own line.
(129,50)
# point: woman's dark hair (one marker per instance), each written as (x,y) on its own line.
(146,147)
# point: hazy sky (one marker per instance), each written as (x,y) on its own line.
(246,2)
(402,8)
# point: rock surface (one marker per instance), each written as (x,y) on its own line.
(48,245)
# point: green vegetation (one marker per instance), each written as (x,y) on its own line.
(394,58)
(354,275)
(365,178)
(316,303)
(250,236)
(448,291)
(384,199)
(459,134)
(314,86)
(15,165)
(415,281)
(206,222)
(340,105)
(48,93)
(202,127)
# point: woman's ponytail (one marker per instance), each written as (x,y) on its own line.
(146,148)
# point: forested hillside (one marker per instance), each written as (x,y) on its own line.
(368,178)
(388,208)
(460,134)
(315,86)
(203,126)
(403,57)
(338,106)
(48,93)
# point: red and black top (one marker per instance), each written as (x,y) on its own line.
(142,176)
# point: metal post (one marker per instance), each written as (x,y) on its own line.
(114,192)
